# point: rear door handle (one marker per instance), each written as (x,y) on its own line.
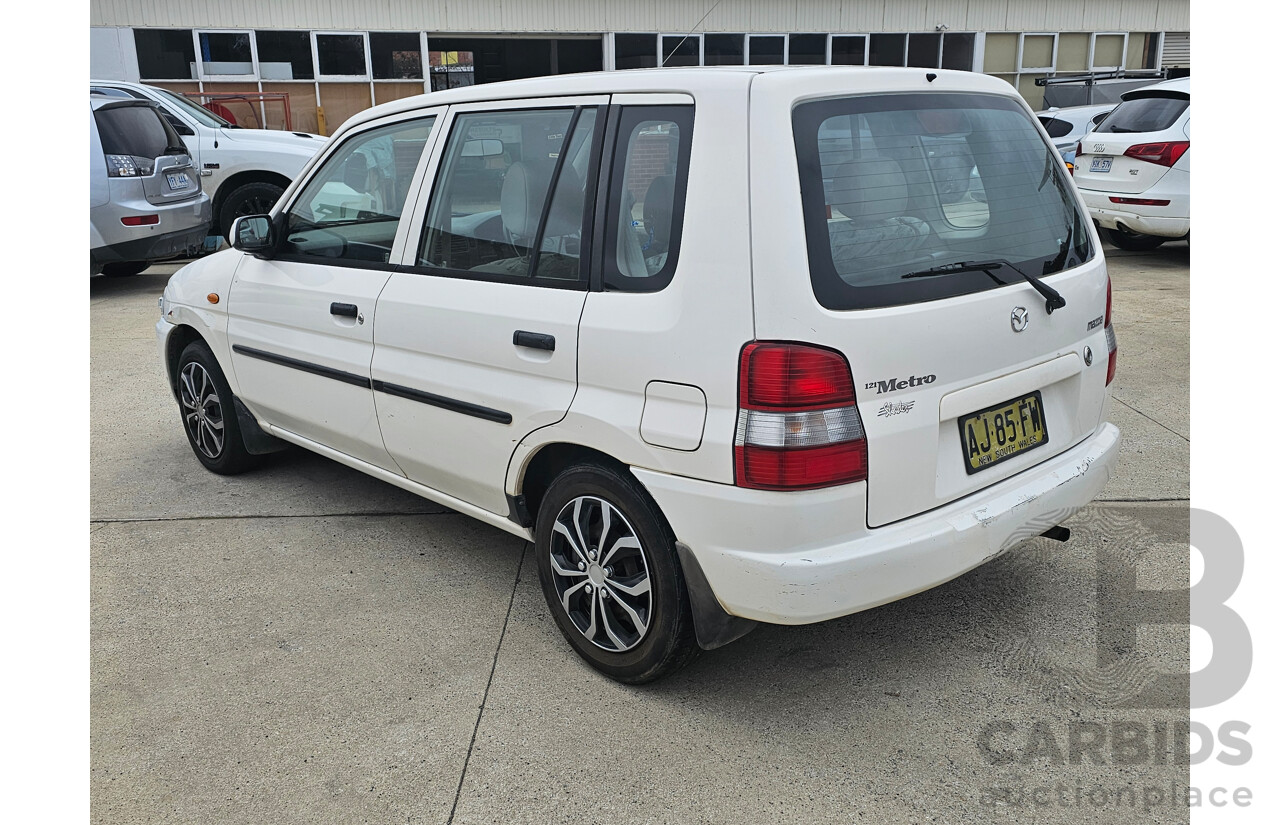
(345,310)
(534,340)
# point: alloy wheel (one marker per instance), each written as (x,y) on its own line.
(600,574)
(201,410)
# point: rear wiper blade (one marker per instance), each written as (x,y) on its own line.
(1052,298)
(960,266)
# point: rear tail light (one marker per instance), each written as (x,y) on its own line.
(1111,339)
(1141,201)
(798,421)
(140,220)
(129,166)
(1165,153)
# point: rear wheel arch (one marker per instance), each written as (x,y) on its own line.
(549,461)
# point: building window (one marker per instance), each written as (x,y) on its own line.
(341,55)
(888,50)
(924,50)
(1107,52)
(224,54)
(165,54)
(635,51)
(723,49)
(957,51)
(396,55)
(767,49)
(848,51)
(807,50)
(452,70)
(681,50)
(284,55)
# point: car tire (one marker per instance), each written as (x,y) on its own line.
(1132,241)
(208,413)
(640,625)
(255,198)
(123,269)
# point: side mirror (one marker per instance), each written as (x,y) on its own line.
(253,233)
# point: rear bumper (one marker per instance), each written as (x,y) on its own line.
(183,226)
(1172,221)
(797,558)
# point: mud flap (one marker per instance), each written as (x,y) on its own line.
(713,627)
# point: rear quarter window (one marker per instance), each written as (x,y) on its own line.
(894,185)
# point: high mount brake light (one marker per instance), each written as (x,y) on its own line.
(798,421)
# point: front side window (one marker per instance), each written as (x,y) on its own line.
(351,207)
(646,197)
(896,188)
(492,214)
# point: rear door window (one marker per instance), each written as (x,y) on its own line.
(1144,114)
(895,185)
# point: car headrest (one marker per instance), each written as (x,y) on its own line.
(659,200)
(868,189)
(523,190)
(565,217)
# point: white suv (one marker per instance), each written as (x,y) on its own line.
(243,170)
(1134,169)
(728,345)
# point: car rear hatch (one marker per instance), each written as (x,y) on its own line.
(1136,145)
(960,381)
(140,145)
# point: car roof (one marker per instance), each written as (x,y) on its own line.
(1179,86)
(98,101)
(686,80)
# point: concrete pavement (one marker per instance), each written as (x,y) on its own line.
(306,644)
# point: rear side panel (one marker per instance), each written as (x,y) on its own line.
(919,369)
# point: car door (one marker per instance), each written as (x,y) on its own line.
(476,341)
(301,322)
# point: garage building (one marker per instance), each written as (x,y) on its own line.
(310,65)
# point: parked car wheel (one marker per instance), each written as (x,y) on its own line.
(1132,241)
(209,413)
(251,199)
(609,571)
(123,269)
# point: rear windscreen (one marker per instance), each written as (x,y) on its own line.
(893,186)
(1144,114)
(137,131)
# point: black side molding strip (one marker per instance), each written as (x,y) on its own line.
(451,404)
(305,366)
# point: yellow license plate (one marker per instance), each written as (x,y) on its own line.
(1003,431)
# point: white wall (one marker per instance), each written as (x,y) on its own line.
(112,54)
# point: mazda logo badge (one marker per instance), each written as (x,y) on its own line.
(1019,319)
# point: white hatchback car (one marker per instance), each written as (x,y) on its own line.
(714,340)
(1134,169)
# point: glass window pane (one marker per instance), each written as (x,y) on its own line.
(351,207)
(678,50)
(341,54)
(1037,51)
(848,51)
(488,200)
(722,49)
(1108,51)
(165,54)
(561,248)
(285,55)
(452,70)
(807,50)
(1001,53)
(766,50)
(635,51)
(922,50)
(396,55)
(888,50)
(226,53)
(646,197)
(957,51)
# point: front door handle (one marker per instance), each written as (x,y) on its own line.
(345,310)
(534,340)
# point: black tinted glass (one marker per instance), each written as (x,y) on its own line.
(137,131)
(165,54)
(340,54)
(1145,114)
(635,51)
(285,55)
